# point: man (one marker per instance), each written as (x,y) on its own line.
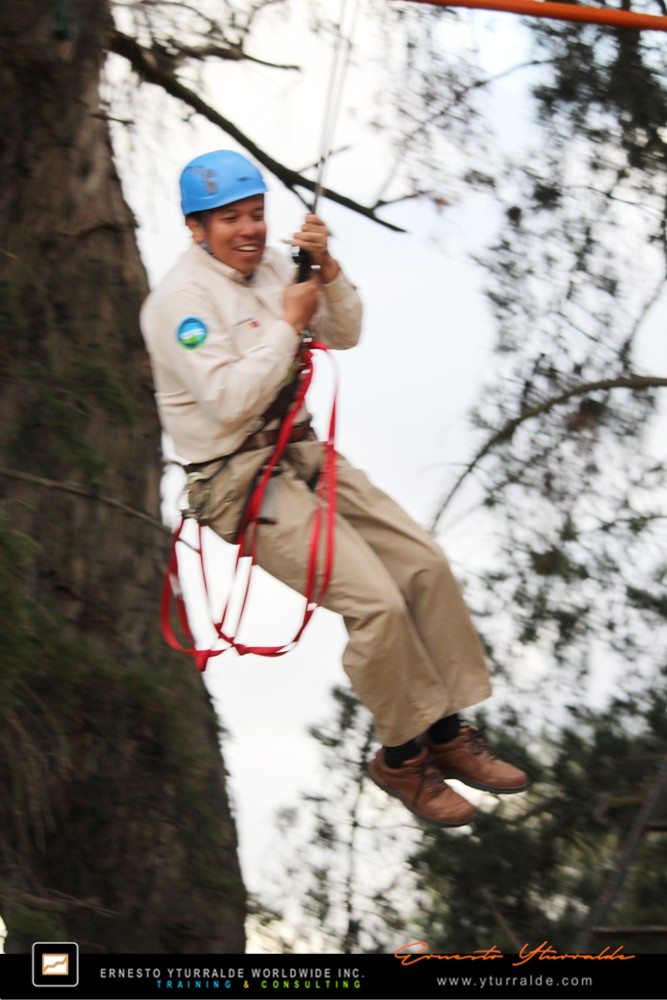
(223,330)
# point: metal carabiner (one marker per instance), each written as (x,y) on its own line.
(196,493)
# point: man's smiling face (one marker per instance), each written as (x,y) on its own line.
(235,233)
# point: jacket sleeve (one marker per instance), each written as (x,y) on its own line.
(338,319)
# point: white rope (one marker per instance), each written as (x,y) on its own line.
(339,67)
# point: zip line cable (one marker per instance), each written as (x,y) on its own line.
(562,12)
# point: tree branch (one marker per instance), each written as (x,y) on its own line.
(149,68)
(56,902)
(82,491)
(178,53)
(643,313)
(507,430)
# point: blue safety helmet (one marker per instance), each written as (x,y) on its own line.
(219,178)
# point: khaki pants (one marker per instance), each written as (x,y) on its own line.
(413,655)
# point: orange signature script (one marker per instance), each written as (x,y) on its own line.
(417,951)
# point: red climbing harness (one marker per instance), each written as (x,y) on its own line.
(246,541)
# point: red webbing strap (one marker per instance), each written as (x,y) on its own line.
(247,539)
(172,593)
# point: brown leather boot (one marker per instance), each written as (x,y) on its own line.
(419,786)
(468,758)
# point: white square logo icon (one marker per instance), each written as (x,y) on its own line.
(55,963)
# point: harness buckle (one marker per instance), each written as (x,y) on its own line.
(196,493)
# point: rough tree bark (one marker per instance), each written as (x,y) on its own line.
(115,828)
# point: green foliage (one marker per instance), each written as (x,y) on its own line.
(63,22)
(60,416)
(86,737)
(91,380)
(17,631)
(51,440)
(30,925)
(52,435)
(573,489)
(535,866)
(612,85)
(10,319)
(572,602)
(364,875)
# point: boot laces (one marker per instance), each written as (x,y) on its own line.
(430,780)
(477,744)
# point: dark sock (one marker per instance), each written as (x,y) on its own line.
(445,729)
(396,756)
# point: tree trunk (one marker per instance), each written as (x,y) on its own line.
(115,828)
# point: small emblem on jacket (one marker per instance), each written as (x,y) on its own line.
(192,332)
(249,324)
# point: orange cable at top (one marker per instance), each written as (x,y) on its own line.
(563,12)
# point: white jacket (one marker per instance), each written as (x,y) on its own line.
(220,351)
